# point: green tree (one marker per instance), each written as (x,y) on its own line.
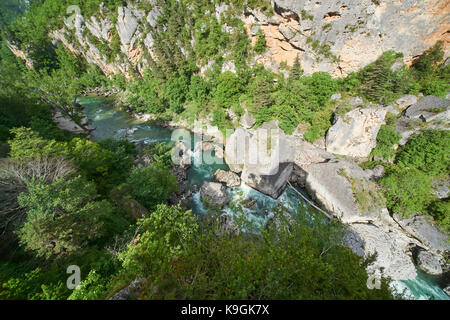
(62,217)
(428,151)
(152,185)
(406,190)
(164,235)
(296,69)
(227,89)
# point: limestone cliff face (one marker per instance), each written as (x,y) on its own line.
(358,31)
(338,37)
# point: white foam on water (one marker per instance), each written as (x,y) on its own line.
(418,289)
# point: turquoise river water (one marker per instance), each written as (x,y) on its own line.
(112,123)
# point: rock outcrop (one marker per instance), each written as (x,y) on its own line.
(214,194)
(231,179)
(355,133)
(358,36)
(429,113)
(333,185)
(247,120)
(334,36)
(391,260)
(341,187)
(424,229)
(236,149)
(429,263)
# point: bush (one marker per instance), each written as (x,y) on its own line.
(227,89)
(261,44)
(285,262)
(428,151)
(386,139)
(164,235)
(61,217)
(439,210)
(152,185)
(407,190)
(175,92)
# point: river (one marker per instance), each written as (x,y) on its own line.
(112,123)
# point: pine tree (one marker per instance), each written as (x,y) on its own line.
(296,70)
(263,93)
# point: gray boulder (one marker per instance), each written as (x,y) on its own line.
(355,133)
(441,189)
(429,113)
(231,179)
(429,108)
(332,184)
(153,15)
(214,194)
(429,263)
(376,173)
(236,149)
(406,101)
(269,160)
(424,229)
(336,96)
(356,101)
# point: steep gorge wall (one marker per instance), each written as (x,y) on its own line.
(358,31)
(338,37)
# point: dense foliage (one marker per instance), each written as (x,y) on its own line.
(408,182)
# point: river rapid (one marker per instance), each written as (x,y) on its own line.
(112,123)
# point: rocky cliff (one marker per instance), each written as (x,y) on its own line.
(338,37)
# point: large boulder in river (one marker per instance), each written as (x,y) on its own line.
(231,179)
(337,185)
(429,263)
(236,149)
(355,133)
(214,194)
(269,160)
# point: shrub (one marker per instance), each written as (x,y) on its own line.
(61,217)
(407,190)
(428,151)
(164,235)
(152,185)
(261,44)
(386,139)
(227,89)
(175,92)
